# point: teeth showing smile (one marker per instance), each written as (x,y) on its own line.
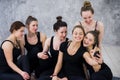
(85,43)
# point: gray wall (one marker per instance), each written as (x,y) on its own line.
(107,11)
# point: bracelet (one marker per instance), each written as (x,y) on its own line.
(54,75)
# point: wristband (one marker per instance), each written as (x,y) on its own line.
(54,75)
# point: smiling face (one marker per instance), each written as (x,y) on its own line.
(88,40)
(87,16)
(62,32)
(33,26)
(78,34)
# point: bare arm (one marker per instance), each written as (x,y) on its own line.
(43,38)
(8,48)
(91,61)
(101,29)
(42,54)
(58,65)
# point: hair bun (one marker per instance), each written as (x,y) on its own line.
(59,18)
(87,4)
(30,17)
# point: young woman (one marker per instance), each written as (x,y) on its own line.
(34,42)
(70,56)
(14,65)
(89,23)
(53,45)
(97,68)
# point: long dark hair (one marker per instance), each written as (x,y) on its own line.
(16,25)
(96,37)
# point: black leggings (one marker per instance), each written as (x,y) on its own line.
(75,78)
(45,75)
(104,74)
(11,75)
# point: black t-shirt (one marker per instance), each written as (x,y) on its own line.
(72,64)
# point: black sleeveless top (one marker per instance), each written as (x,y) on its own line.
(32,50)
(16,53)
(95,25)
(72,64)
(54,53)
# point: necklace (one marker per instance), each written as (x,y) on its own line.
(72,49)
(17,44)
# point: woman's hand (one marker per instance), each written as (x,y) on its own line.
(100,59)
(25,75)
(42,55)
(64,78)
(55,78)
(92,53)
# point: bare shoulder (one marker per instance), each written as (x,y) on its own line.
(48,40)
(100,26)
(42,34)
(7,45)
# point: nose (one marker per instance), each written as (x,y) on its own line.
(88,20)
(36,27)
(64,34)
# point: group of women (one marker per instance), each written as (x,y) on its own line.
(57,57)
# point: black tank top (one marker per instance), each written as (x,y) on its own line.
(32,50)
(16,53)
(54,53)
(95,25)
